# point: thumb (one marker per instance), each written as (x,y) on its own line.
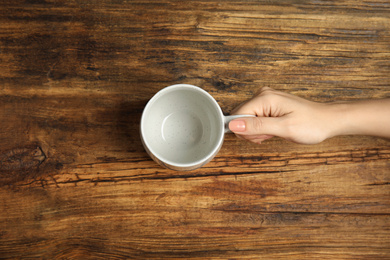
(257,126)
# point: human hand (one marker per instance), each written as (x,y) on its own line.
(307,122)
(284,115)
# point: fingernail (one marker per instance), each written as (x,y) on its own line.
(237,126)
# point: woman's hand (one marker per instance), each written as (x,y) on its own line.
(307,122)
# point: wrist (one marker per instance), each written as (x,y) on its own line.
(365,117)
(338,119)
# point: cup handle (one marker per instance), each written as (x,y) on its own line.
(230,118)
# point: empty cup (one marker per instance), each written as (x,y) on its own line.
(183,127)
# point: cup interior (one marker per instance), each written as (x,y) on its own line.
(182,125)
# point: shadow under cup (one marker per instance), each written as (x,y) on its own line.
(182,127)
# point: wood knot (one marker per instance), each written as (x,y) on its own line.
(17,163)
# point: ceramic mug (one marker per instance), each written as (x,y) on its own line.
(183,127)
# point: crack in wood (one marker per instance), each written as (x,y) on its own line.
(378,184)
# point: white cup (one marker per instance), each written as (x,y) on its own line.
(183,127)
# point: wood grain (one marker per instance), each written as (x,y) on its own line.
(76,183)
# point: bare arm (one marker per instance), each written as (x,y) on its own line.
(369,117)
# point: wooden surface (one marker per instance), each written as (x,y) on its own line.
(76,183)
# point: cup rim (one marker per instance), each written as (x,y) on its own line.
(209,155)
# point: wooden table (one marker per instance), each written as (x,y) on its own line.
(76,182)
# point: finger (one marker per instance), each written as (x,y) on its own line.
(255,137)
(240,137)
(271,126)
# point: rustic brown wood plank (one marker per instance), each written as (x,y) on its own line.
(76,183)
(229,209)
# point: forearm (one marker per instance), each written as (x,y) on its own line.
(369,117)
